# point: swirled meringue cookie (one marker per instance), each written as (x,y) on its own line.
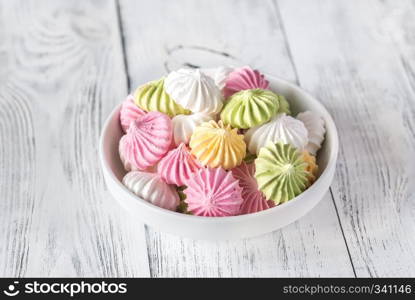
(312,167)
(250,108)
(244,78)
(316,130)
(147,140)
(218,75)
(152,97)
(254,199)
(184,125)
(284,106)
(151,188)
(194,91)
(281,128)
(213,193)
(129,112)
(177,166)
(216,145)
(280,172)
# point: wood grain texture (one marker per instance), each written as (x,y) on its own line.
(62,72)
(164,35)
(358,58)
(307,248)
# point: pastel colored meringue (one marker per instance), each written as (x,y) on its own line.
(250,108)
(184,125)
(244,78)
(254,200)
(177,166)
(281,172)
(216,145)
(316,130)
(312,167)
(284,106)
(129,112)
(152,97)
(147,140)
(194,91)
(281,128)
(218,75)
(151,188)
(213,193)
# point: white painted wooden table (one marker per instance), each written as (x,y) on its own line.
(65,64)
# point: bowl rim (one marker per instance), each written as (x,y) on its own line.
(330,127)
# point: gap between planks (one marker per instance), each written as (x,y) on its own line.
(298,82)
(275,239)
(128,81)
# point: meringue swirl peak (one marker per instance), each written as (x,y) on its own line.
(217,145)
(250,108)
(194,90)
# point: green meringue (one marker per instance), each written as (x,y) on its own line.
(249,158)
(152,97)
(284,106)
(250,108)
(281,172)
(182,207)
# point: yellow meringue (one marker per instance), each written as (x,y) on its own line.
(217,145)
(312,166)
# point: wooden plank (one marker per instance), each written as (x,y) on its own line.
(207,33)
(346,53)
(311,247)
(62,72)
(164,35)
(397,29)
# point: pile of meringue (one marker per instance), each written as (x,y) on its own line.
(216,142)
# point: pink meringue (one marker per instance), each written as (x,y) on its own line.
(213,193)
(129,112)
(244,78)
(254,199)
(147,140)
(151,188)
(177,166)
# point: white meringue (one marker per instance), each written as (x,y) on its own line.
(218,75)
(281,128)
(193,90)
(184,125)
(152,188)
(316,130)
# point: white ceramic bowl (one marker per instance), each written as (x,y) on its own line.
(220,228)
